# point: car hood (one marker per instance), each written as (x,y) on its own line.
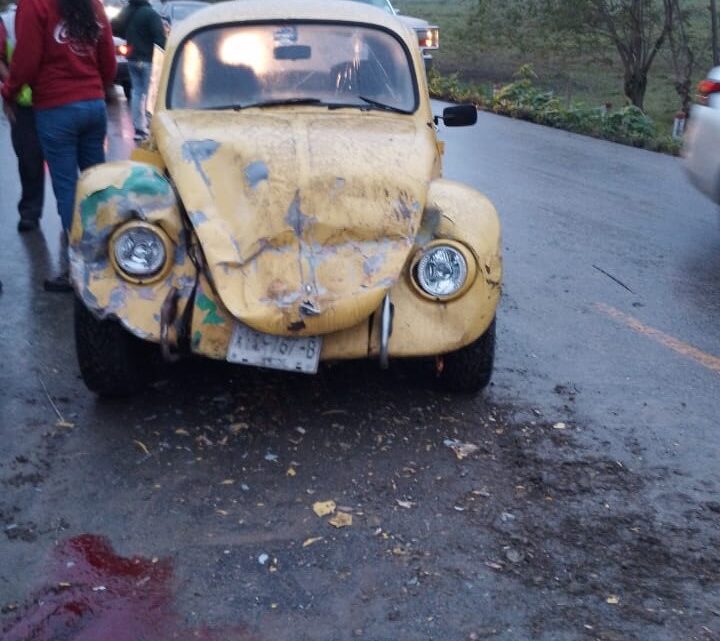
(306,218)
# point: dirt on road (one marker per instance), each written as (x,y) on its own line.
(469,520)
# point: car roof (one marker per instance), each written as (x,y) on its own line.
(267,10)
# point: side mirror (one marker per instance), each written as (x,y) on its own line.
(458,116)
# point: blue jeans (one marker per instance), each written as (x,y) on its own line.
(72,137)
(140,72)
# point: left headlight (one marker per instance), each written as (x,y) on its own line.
(443,270)
(140,252)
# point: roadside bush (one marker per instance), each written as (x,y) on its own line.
(453,89)
(523,99)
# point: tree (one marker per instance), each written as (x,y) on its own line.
(681,54)
(636,29)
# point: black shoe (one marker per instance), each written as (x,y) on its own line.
(27,224)
(58,284)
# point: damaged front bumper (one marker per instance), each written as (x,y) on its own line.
(184,314)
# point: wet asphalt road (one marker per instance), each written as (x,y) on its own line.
(590,510)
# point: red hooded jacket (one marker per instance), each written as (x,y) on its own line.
(58,70)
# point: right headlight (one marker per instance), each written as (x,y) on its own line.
(444,270)
(140,252)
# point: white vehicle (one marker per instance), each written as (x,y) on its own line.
(428,34)
(702,140)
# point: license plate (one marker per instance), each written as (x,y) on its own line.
(248,347)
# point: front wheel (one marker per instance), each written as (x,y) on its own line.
(469,369)
(112,361)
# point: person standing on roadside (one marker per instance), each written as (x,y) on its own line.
(25,142)
(65,54)
(142,27)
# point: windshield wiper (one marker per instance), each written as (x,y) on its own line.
(383,106)
(284,101)
(267,103)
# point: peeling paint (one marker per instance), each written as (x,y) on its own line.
(197,218)
(256,173)
(198,152)
(211,311)
(372,264)
(295,218)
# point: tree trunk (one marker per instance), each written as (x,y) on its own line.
(635,87)
(714,26)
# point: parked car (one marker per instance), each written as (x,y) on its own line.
(289,209)
(702,139)
(428,34)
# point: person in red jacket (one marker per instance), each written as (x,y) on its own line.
(65,54)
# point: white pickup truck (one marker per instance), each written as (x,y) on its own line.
(428,34)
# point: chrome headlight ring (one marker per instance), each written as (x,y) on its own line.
(140,252)
(443,270)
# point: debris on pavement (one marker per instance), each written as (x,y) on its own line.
(263,559)
(236,428)
(61,422)
(141,446)
(405,504)
(311,541)
(560,426)
(462,450)
(341,519)
(323,508)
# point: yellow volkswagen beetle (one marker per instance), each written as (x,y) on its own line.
(289,208)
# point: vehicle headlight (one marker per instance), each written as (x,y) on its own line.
(429,38)
(140,251)
(442,271)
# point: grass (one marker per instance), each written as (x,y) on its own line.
(572,76)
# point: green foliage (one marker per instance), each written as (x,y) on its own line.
(486,49)
(523,99)
(452,86)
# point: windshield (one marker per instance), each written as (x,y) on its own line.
(236,67)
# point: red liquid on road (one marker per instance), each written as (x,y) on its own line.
(94,594)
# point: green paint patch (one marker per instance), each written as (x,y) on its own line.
(146,181)
(143,181)
(90,205)
(210,308)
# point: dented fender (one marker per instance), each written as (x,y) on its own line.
(109,196)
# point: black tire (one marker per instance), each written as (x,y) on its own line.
(113,362)
(127,90)
(470,369)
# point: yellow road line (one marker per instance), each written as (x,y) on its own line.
(675,344)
